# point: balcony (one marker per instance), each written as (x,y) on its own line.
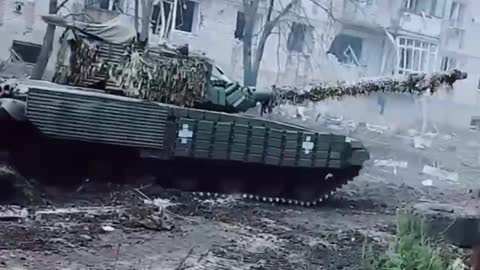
(420,24)
(364,13)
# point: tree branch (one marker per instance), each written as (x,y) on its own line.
(284,12)
(270,10)
(62,5)
(325,9)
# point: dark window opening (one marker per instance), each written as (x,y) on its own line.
(296,37)
(104,4)
(430,7)
(448,63)
(240,26)
(184,19)
(347,49)
(25,51)
(19,7)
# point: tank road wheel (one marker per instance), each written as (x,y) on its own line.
(271,190)
(309,187)
(303,192)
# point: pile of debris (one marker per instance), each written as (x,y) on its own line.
(15,188)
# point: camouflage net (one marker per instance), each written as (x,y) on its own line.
(84,62)
(155,74)
(414,84)
(149,75)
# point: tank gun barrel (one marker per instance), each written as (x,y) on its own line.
(411,84)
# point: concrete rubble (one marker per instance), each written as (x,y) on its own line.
(458,225)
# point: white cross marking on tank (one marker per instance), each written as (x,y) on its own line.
(307,145)
(185,134)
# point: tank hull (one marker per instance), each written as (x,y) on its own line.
(100,136)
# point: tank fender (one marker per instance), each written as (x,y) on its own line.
(15,108)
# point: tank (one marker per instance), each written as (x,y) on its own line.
(95,123)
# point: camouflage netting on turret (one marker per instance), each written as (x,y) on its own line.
(150,75)
(159,74)
(415,84)
(82,63)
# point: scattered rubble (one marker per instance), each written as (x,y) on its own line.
(15,189)
(12,213)
(391,163)
(420,142)
(456,224)
(427,182)
(440,174)
(150,217)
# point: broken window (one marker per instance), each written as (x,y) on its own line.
(416,56)
(112,5)
(185,15)
(457,12)
(19,5)
(300,38)
(240,26)
(428,7)
(448,63)
(365,2)
(347,49)
(25,51)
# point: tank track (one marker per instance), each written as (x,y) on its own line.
(339,183)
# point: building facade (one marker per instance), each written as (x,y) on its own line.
(367,37)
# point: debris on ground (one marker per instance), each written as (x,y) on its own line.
(12,213)
(420,142)
(391,163)
(439,173)
(16,189)
(107,228)
(377,128)
(427,182)
(456,224)
(148,216)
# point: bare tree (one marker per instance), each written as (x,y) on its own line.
(165,22)
(252,57)
(147,7)
(251,64)
(47,46)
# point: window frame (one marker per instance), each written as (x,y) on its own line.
(416,47)
(412,6)
(194,25)
(307,38)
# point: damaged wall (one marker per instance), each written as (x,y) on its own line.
(20,20)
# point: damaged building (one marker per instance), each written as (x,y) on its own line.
(409,36)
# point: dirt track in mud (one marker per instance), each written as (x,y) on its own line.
(118,229)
